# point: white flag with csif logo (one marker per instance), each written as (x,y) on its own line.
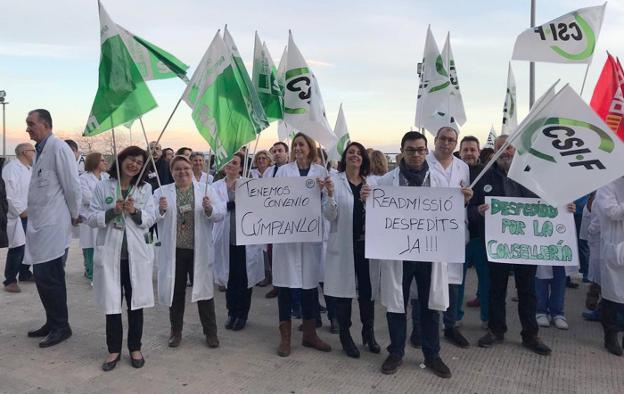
(571,38)
(566,151)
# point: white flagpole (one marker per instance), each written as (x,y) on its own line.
(116,160)
(532,64)
(149,151)
(584,79)
(208,172)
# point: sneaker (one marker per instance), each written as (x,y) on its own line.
(474,303)
(489,339)
(560,322)
(592,315)
(12,288)
(542,320)
(391,365)
(456,338)
(535,344)
(438,367)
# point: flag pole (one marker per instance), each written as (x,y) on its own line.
(208,172)
(532,64)
(254,152)
(584,79)
(116,159)
(149,151)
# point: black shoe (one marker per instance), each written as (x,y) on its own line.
(438,367)
(391,365)
(55,337)
(333,327)
(137,363)
(39,333)
(348,345)
(536,345)
(415,340)
(110,365)
(319,323)
(368,338)
(456,338)
(489,339)
(230,322)
(174,339)
(30,278)
(239,324)
(612,345)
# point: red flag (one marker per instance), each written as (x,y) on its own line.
(608,100)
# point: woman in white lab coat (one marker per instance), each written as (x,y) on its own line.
(185,215)
(124,255)
(198,162)
(347,273)
(297,265)
(238,267)
(261,161)
(95,167)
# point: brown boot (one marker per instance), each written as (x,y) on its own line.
(285,328)
(310,339)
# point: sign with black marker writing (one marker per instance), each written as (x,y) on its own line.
(416,224)
(529,231)
(278,210)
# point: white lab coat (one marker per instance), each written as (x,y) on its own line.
(203,178)
(590,231)
(88,182)
(391,271)
(53,200)
(610,200)
(221,235)
(298,265)
(460,176)
(16,176)
(204,253)
(107,254)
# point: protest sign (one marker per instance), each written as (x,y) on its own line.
(278,210)
(529,231)
(416,224)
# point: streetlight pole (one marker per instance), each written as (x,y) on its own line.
(4,103)
(532,64)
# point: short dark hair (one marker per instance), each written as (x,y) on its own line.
(167,149)
(412,135)
(182,149)
(72,144)
(470,138)
(129,151)
(283,144)
(44,115)
(364,168)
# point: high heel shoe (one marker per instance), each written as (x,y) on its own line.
(110,365)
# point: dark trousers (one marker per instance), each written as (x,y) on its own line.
(237,294)
(206,308)
(50,282)
(309,305)
(114,328)
(429,319)
(14,265)
(527,301)
(609,315)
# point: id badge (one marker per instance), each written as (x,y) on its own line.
(118,224)
(185,208)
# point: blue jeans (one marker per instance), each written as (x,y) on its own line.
(551,293)
(476,255)
(454,311)
(14,266)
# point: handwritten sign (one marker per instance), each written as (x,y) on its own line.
(278,210)
(529,231)
(416,224)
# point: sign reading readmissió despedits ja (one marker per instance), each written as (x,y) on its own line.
(529,231)
(278,210)
(416,224)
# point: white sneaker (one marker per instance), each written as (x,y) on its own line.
(542,320)
(560,322)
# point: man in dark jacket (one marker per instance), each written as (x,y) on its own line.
(162,168)
(4,208)
(496,183)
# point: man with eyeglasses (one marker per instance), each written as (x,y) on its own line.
(16,176)
(396,276)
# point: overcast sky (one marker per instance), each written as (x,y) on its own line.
(364,54)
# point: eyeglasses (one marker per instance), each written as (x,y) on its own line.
(414,151)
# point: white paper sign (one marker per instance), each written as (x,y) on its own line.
(278,210)
(529,231)
(416,224)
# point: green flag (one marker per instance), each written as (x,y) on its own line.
(122,93)
(220,105)
(264,78)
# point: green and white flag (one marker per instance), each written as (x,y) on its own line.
(303,104)
(491,138)
(565,150)
(510,109)
(220,105)
(571,38)
(455,101)
(285,132)
(152,61)
(281,69)
(264,78)
(122,94)
(246,85)
(342,133)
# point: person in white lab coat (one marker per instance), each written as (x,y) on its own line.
(238,267)
(261,162)
(124,255)
(95,171)
(53,208)
(297,265)
(16,176)
(186,213)
(347,272)
(610,202)
(199,163)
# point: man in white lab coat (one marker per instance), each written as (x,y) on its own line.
(16,176)
(53,207)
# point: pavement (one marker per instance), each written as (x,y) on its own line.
(246,361)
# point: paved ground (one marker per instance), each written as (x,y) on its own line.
(246,360)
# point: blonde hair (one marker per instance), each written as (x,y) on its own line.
(262,152)
(378,163)
(312,156)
